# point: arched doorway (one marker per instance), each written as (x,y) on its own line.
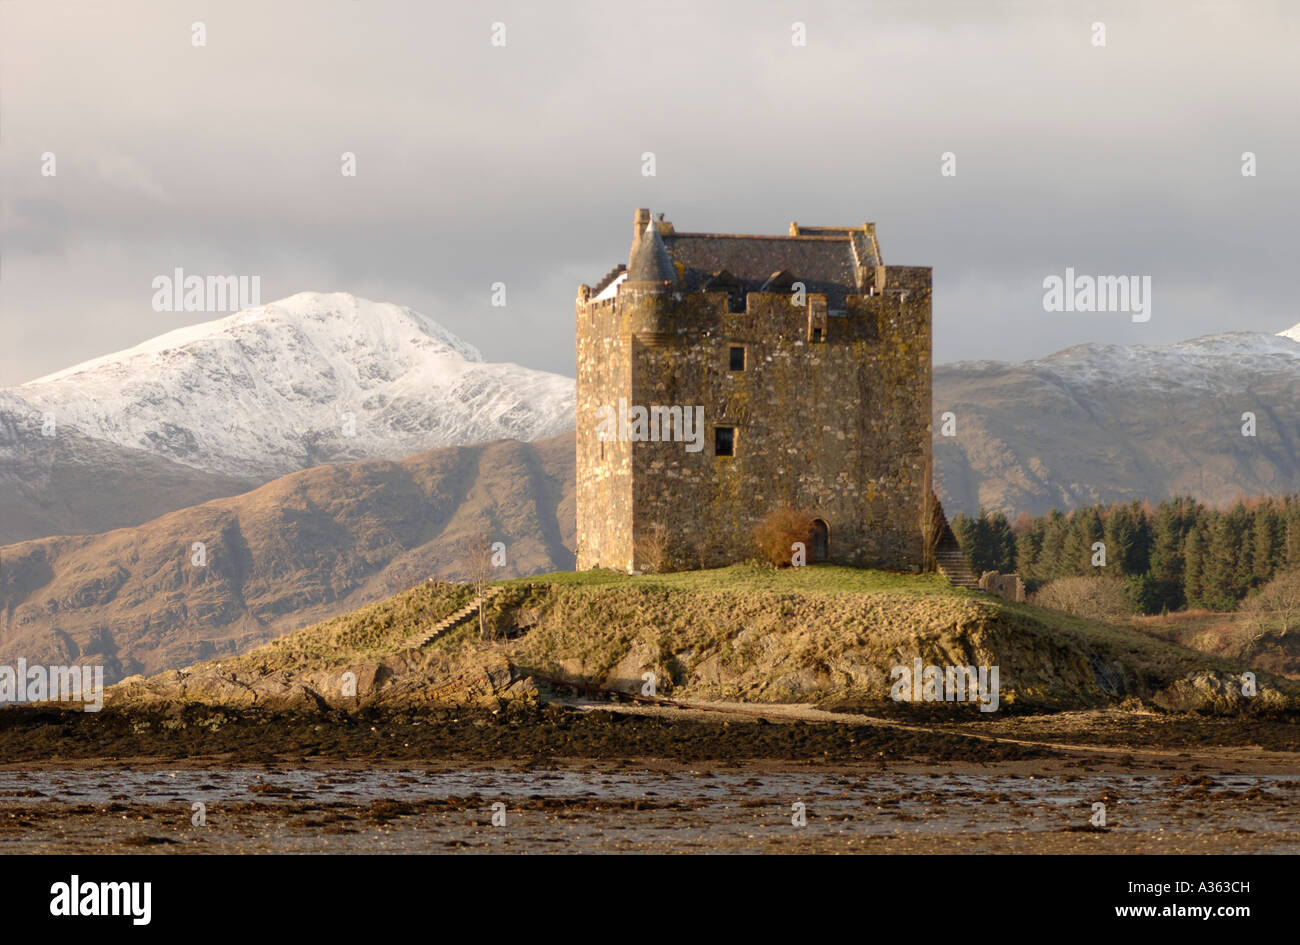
(821,540)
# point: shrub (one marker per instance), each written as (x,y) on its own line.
(778,531)
(1094,597)
(1276,607)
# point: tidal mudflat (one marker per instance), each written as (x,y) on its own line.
(606,807)
(590,780)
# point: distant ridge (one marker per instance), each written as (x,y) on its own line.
(1099,423)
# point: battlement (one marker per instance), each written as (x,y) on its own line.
(837,262)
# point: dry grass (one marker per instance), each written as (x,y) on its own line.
(373,631)
(749,633)
(1233,636)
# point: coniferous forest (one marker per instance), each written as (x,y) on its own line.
(1177,554)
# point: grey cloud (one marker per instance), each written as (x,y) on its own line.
(522,164)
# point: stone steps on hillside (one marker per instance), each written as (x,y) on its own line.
(456,618)
(948,557)
(952,565)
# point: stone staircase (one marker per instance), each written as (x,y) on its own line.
(948,557)
(952,565)
(456,619)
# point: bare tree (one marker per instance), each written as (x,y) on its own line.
(653,547)
(1098,597)
(476,554)
(1277,603)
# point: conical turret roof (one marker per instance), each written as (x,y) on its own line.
(649,261)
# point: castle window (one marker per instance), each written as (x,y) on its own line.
(724,441)
(736,300)
(737,358)
(816,318)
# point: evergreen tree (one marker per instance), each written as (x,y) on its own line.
(1143,593)
(1002,543)
(1127,535)
(1291,533)
(1193,553)
(1173,520)
(1221,582)
(1237,566)
(988,541)
(1177,554)
(981,555)
(963,528)
(1085,529)
(1048,566)
(1029,549)
(1267,550)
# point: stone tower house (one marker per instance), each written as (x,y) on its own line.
(810,359)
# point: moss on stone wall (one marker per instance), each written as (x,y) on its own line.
(839,427)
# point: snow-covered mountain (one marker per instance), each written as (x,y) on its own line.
(314,378)
(1113,422)
(1212,362)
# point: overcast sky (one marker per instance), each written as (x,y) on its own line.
(522,164)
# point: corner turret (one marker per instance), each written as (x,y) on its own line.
(649,267)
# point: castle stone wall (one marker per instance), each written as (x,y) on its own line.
(837,427)
(604,470)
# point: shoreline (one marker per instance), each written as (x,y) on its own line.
(647,735)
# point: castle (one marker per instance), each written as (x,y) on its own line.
(722,377)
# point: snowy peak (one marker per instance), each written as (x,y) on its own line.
(313,378)
(1293,333)
(1211,362)
(331,321)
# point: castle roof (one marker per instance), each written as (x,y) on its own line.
(821,263)
(832,260)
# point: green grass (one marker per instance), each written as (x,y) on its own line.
(741,578)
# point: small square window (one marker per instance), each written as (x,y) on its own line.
(724,441)
(817,319)
(737,358)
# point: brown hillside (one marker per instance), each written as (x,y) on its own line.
(71,484)
(1101,424)
(294,551)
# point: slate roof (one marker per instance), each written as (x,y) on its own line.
(821,263)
